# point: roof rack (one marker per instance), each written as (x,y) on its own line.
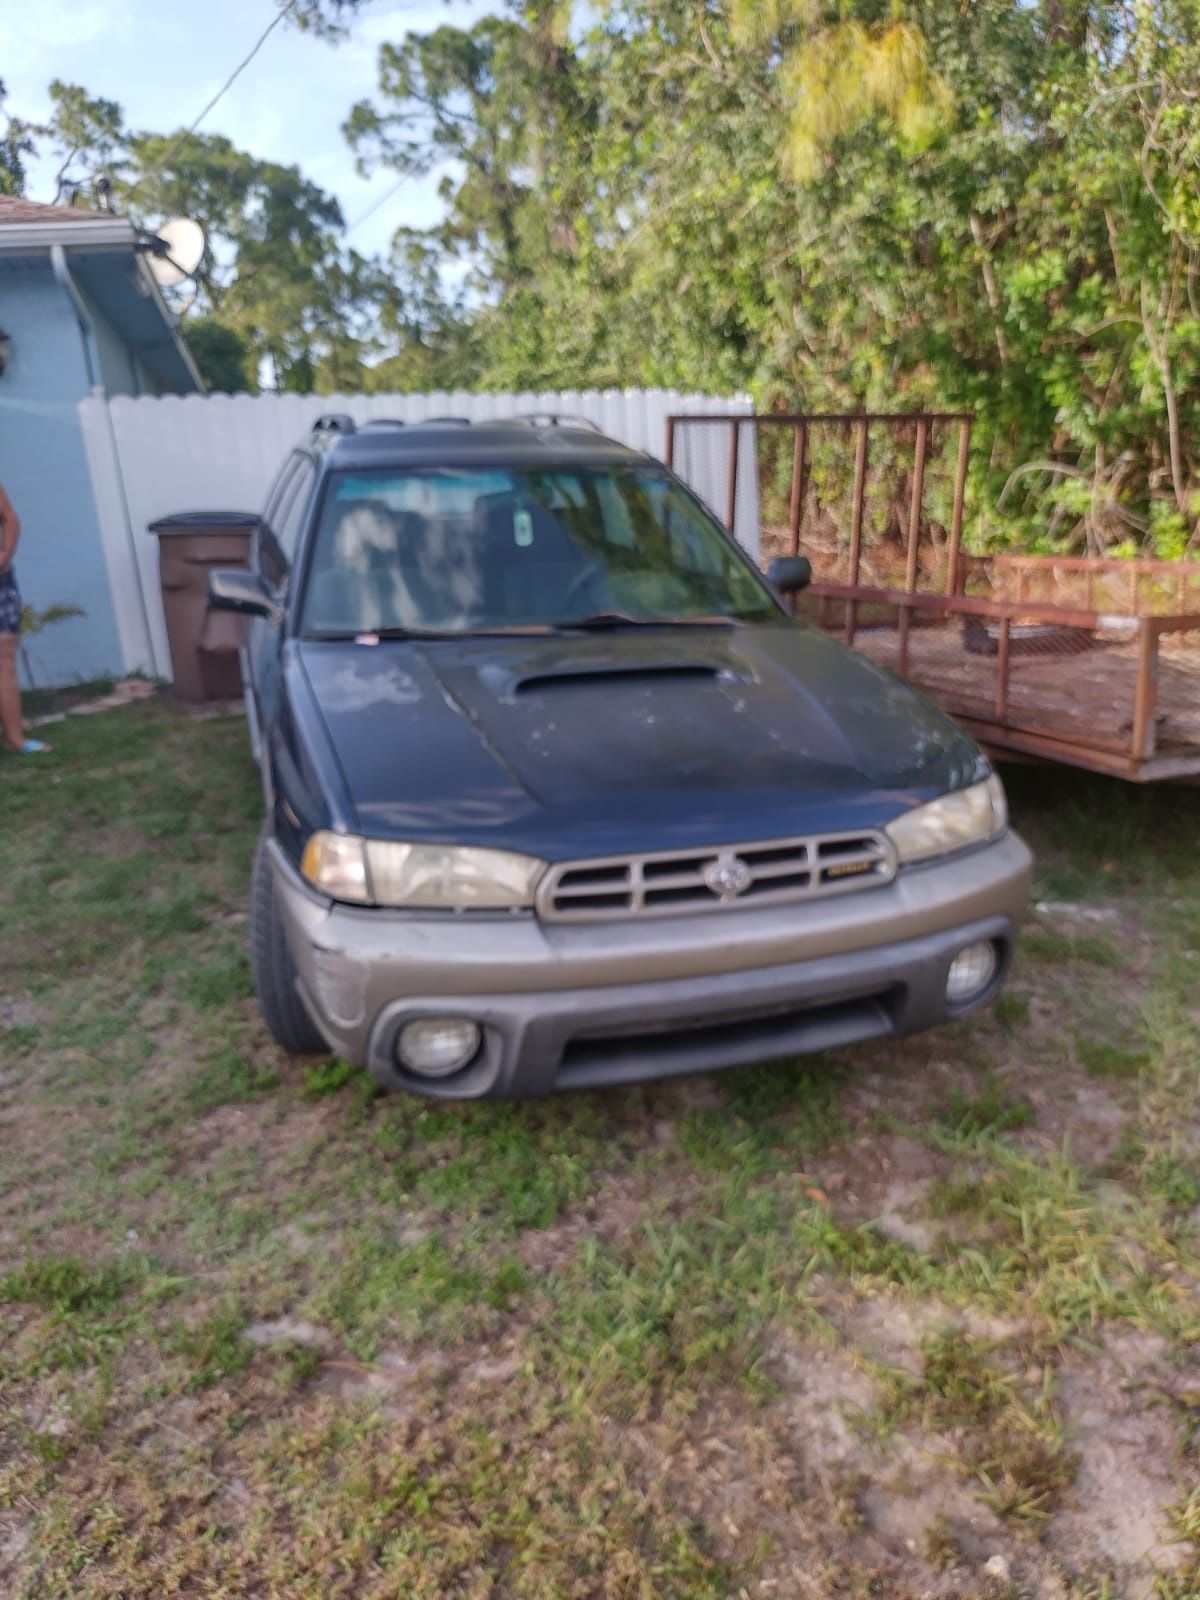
(335,422)
(554,419)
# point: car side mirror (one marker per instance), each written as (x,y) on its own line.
(789,574)
(236,589)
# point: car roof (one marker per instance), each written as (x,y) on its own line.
(514,442)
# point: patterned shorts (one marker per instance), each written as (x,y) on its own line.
(10,603)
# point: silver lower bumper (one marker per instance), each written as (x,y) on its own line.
(579,1005)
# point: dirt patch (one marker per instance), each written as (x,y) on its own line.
(276,1331)
(885,1495)
(268,1126)
(17,1011)
(882,1178)
(15,1539)
(887,1328)
(898,1495)
(384,1381)
(824,1394)
(1116,1412)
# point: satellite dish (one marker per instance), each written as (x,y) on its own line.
(176,251)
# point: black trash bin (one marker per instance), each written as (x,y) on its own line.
(204,642)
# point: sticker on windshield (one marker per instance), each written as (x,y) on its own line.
(522,529)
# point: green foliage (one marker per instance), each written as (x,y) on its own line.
(832,203)
(275,292)
(17,143)
(34,621)
(989,206)
(1055,947)
(224,356)
(991,1111)
(82,124)
(226,1076)
(327,1077)
(65,1284)
(1108,1059)
(213,1348)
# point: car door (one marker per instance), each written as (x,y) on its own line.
(274,549)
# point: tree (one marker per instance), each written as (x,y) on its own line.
(273,271)
(17,143)
(862,203)
(86,135)
(833,203)
(274,293)
(428,336)
(224,357)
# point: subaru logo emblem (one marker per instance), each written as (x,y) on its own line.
(728,877)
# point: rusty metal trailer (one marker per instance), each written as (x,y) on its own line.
(1088,661)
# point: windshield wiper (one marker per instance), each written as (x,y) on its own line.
(373,635)
(604,621)
(596,622)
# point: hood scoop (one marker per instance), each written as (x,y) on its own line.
(634,675)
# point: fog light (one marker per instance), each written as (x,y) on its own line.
(971,971)
(437,1046)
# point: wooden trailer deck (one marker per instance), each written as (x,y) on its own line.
(1088,661)
(1117,694)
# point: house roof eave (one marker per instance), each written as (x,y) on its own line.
(171,321)
(22,238)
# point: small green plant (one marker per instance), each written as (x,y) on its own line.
(34,622)
(326,1077)
(1023,1471)
(227,1076)
(1168,1178)
(507,1283)
(960,1384)
(300,1363)
(1010,1009)
(66,1284)
(1105,1058)
(993,1110)
(213,1348)
(942,1549)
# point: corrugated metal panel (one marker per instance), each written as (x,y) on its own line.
(198,452)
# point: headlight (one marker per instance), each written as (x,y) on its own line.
(430,877)
(436,875)
(335,864)
(968,816)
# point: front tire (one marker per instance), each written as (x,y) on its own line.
(284,1013)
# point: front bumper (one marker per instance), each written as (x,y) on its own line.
(580,1005)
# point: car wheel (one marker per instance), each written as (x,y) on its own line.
(274,971)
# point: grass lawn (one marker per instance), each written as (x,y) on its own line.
(915,1319)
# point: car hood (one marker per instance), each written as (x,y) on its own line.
(566,746)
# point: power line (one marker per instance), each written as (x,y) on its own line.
(221,92)
(375,205)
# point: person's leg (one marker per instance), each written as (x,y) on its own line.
(10,693)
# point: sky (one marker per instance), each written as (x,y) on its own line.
(163,59)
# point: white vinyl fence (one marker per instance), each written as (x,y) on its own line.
(153,456)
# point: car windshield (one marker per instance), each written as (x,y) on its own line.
(477,550)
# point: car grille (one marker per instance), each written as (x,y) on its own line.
(721,879)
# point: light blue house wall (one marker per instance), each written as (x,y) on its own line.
(84,318)
(120,371)
(45,471)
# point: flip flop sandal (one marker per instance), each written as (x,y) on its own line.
(31,747)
